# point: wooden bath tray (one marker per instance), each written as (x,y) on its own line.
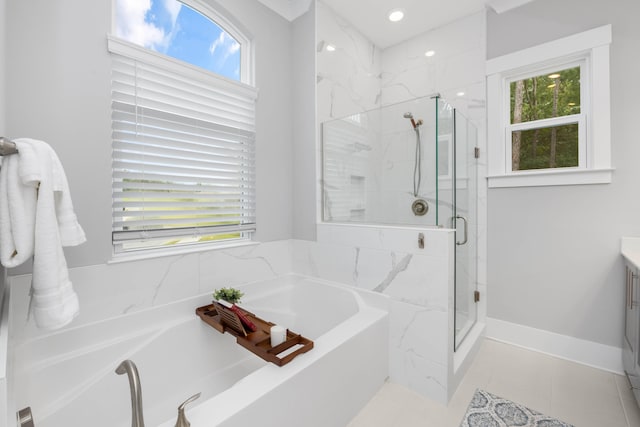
(224,320)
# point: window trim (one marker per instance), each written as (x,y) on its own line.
(589,49)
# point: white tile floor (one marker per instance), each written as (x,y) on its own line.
(576,394)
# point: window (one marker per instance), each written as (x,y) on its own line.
(183,126)
(175,29)
(545,123)
(549,114)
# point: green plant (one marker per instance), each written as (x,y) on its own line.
(230,295)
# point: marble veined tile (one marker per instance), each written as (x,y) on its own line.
(422,330)
(438,242)
(229,267)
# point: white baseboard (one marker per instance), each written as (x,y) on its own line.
(577,350)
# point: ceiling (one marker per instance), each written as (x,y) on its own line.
(370,16)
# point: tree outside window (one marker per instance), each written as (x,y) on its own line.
(537,142)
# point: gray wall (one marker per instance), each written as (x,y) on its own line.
(58,90)
(304,121)
(553,252)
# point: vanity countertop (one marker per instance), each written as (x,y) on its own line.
(630,249)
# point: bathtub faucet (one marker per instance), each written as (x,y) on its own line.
(128,367)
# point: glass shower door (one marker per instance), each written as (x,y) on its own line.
(457,189)
(465,220)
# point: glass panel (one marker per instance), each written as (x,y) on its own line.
(176,30)
(445,147)
(542,148)
(554,94)
(466,190)
(376,164)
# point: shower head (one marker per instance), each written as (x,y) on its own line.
(409,115)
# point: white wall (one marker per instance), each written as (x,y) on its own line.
(58,87)
(554,261)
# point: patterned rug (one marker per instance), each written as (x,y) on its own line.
(487,410)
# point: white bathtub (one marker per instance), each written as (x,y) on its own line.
(68,379)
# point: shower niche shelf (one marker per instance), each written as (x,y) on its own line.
(224,320)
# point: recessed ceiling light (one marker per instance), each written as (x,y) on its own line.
(460,94)
(554,76)
(396,15)
(430,53)
(330,48)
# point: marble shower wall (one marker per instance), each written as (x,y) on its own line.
(348,79)
(369,165)
(456,72)
(405,75)
(359,76)
(457,65)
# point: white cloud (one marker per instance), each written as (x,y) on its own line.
(133,26)
(173,7)
(227,44)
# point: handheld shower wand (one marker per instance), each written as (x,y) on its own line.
(410,117)
(417,169)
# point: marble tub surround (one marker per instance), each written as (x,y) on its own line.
(67,377)
(387,260)
(111,290)
(419,283)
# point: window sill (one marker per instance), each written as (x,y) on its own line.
(158,253)
(551,178)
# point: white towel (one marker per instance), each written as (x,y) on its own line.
(17,210)
(36,220)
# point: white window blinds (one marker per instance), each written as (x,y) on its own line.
(183,152)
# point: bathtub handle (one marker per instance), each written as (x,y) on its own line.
(182,419)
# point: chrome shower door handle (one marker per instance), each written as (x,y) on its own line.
(466,229)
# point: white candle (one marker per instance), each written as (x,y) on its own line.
(278,335)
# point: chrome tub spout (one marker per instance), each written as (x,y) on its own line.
(128,367)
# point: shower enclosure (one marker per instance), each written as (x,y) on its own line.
(409,164)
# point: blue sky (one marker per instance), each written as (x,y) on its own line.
(170,27)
